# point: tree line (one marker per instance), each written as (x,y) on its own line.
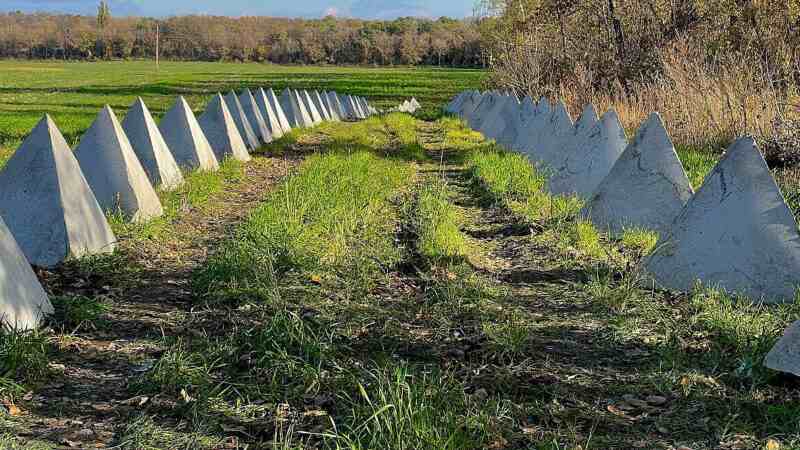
(535,43)
(331,40)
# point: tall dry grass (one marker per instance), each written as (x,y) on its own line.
(705,104)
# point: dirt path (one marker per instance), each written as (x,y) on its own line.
(571,372)
(147,284)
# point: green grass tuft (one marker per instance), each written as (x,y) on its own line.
(74,312)
(437,223)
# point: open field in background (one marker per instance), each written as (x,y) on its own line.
(73,93)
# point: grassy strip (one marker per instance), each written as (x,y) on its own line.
(437,223)
(333,217)
(509,178)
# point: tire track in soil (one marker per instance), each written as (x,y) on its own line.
(86,400)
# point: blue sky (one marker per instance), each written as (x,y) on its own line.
(370,9)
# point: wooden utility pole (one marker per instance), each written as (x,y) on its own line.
(157,43)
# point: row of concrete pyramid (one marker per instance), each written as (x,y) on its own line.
(735,232)
(53,200)
(408,106)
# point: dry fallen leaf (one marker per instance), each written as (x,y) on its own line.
(13,410)
(772,444)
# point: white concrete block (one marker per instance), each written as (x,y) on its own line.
(47,203)
(736,233)
(23,302)
(589,158)
(647,187)
(242,122)
(150,147)
(114,172)
(185,138)
(220,130)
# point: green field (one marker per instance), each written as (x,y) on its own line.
(74,92)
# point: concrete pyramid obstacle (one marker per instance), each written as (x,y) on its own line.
(310,107)
(47,204)
(308,119)
(347,106)
(499,117)
(785,354)
(590,157)
(454,106)
(364,106)
(221,132)
(416,104)
(294,109)
(333,111)
(290,109)
(555,133)
(253,114)
(242,122)
(536,123)
(587,120)
(113,171)
(269,114)
(336,104)
(481,111)
(317,100)
(735,233)
(23,302)
(647,187)
(469,105)
(528,107)
(279,112)
(150,148)
(185,138)
(353,107)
